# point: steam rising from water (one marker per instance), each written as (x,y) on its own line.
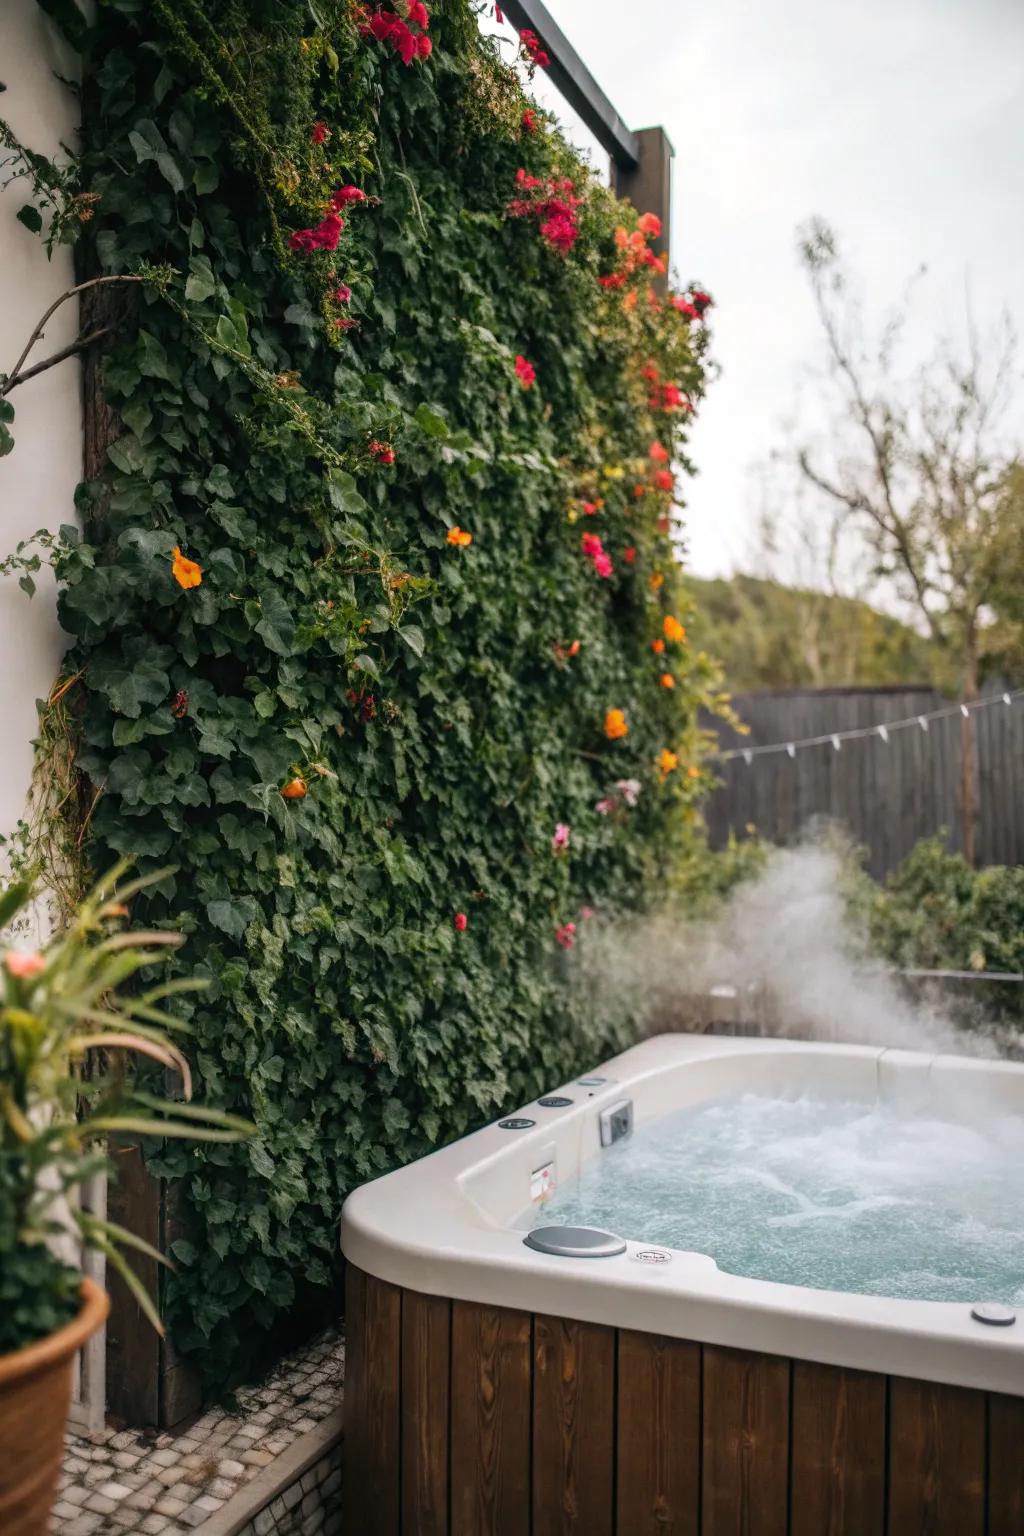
(784,937)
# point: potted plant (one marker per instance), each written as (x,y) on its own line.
(68,1029)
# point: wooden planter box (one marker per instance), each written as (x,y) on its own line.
(468,1420)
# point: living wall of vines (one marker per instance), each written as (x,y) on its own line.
(373,632)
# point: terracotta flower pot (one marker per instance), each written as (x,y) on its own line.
(35,1393)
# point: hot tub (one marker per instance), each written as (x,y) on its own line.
(617,1384)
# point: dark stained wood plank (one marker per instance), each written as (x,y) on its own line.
(133,1346)
(658,1436)
(490,1434)
(373,1328)
(837,1483)
(936,1459)
(745,1450)
(573,1428)
(426,1342)
(1005,1465)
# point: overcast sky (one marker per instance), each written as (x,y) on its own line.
(901,122)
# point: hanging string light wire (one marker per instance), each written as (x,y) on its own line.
(883,730)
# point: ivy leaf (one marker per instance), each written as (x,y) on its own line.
(368,665)
(128,687)
(430,422)
(149,144)
(276,626)
(30,217)
(201,284)
(229,917)
(414,638)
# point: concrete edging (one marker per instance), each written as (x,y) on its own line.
(272,1480)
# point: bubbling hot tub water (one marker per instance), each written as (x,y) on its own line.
(841,1196)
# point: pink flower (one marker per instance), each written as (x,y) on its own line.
(416,11)
(629,789)
(560,841)
(565,936)
(603,564)
(605,807)
(591,545)
(343,295)
(461,920)
(23,967)
(526,373)
(586,912)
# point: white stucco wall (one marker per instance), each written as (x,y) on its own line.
(37,480)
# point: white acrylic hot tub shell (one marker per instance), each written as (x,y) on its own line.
(443,1225)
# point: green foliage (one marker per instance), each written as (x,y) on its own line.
(428,698)
(60,1098)
(771,636)
(937,912)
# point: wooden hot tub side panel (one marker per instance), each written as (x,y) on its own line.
(469,1420)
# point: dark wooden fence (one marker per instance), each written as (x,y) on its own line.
(887,795)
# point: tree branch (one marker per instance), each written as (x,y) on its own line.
(16,376)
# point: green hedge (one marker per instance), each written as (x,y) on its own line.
(428,696)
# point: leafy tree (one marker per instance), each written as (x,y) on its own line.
(915,473)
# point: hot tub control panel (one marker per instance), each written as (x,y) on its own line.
(616,1122)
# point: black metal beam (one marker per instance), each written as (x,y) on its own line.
(570,75)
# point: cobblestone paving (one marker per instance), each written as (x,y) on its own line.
(120,1482)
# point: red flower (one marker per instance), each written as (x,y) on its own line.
(416,11)
(461,921)
(346,323)
(532,46)
(319,133)
(529,121)
(659,453)
(685,307)
(671,397)
(346,195)
(650,225)
(499,16)
(324,238)
(526,373)
(382,452)
(590,508)
(701,300)
(424,47)
(629,555)
(179,708)
(565,936)
(613,280)
(603,564)
(388,28)
(591,545)
(664,480)
(343,295)
(560,230)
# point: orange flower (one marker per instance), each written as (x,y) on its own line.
(621,237)
(693,772)
(629,302)
(185,572)
(659,453)
(295,789)
(657,646)
(459,537)
(672,629)
(615,724)
(666,761)
(650,224)
(667,680)
(657,580)
(574,649)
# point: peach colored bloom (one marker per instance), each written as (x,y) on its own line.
(615,724)
(23,967)
(667,680)
(672,629)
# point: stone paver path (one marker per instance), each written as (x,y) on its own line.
(120,1482)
